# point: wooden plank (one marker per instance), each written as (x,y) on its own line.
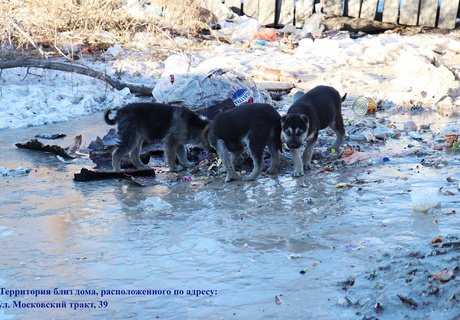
(353,8)
(266,11)
(409,12)
(251,8)
(303,11)
(390,11)
(427,16)
(448,14)
(368,9)
(287,11)
(332,7)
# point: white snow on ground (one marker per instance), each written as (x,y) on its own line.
(400,69)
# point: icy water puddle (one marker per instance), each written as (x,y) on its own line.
(277,248)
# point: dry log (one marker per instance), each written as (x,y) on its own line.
(356,25)
(76,68)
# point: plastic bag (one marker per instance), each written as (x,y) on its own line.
(200,91)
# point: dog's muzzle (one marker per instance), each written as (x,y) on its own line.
(293,144)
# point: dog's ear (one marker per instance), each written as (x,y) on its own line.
(304,118)
(344,97)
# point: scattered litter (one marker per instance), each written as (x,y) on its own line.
(265,34)
(242,96)
(310,267)
(50,136)
(363,106)
(415,135)
(358,156)
(444,276)
(378,308)
(410,302)
(278,300)
(19,171)
(356,246)
(186,179)
(264,73)
(410,126)
(343,185)
(436,240)
(424,199)
(66,153)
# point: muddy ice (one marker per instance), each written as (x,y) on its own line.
(343,242)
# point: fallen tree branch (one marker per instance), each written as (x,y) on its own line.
(80,69)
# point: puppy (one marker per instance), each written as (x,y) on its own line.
(253,126)
(154,122)
(317,109)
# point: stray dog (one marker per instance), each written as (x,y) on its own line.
(252,125)
(155,122)
(317,109)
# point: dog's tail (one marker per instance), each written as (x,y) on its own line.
(205,137)
(344,97)
(107,118)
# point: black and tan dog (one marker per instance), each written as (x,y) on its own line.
(154,122)
(319,108)
(253,126)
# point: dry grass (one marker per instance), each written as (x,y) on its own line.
(63,25)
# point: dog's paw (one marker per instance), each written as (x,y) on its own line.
(272,170)
(248,177)
(189,164)
(177,168)
(229,178)
(221,170)
(297,174)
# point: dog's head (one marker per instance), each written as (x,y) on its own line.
(295,129)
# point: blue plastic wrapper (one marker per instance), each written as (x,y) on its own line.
(241,96)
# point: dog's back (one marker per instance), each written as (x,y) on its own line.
(257,119)
(325,101)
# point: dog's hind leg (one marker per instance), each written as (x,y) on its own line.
(234,156)
(182,155)
(127,140)
(256,151)
(170,155)
(274,156)
(227,162)
(339,130)
(135,153)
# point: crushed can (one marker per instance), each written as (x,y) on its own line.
(242,96)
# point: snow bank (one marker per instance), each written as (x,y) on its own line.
(46,96)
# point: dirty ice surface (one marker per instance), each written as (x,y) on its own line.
(340,243)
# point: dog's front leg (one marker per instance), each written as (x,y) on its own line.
(298,167)
(182,155)
(308,153)
(170,154)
